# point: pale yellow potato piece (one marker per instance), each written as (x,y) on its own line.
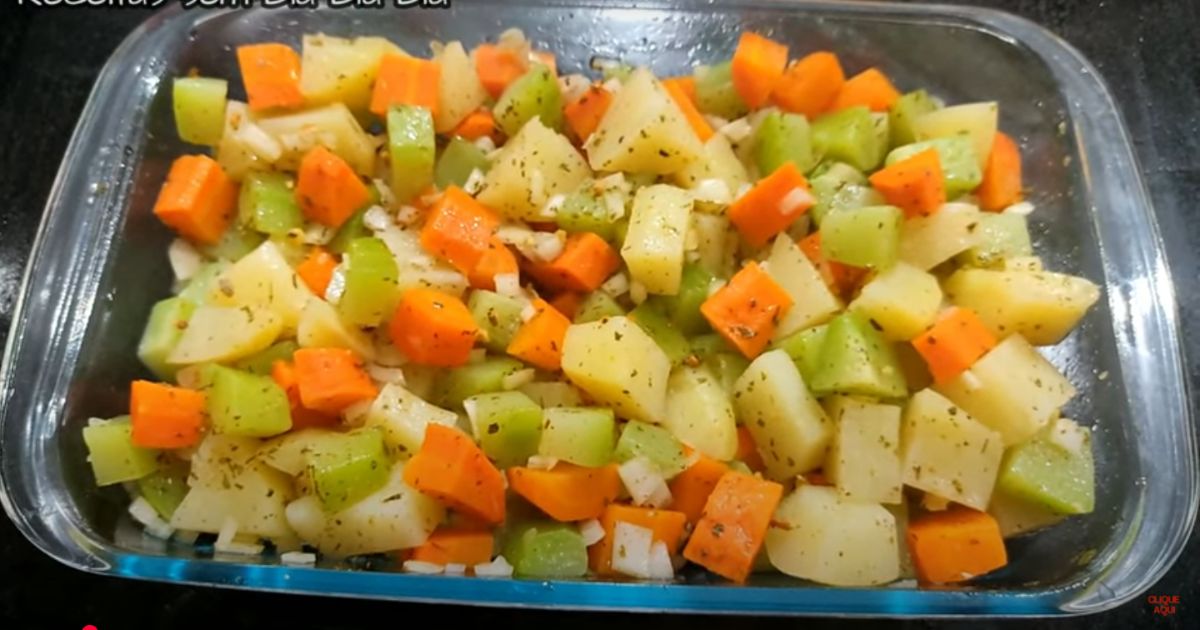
(321,327)
(1017,516)
(1041,306)
(926,242)
(332,126)
(403,417)
(712,236)
(864,457)
(616,363)
(228,482)
(643,131)
(902,300)
(459,90)
(263,279)
(789,427)
(946,452)
(812,301)
(657,238)
(338,70)
(700,412)
(977,120)
(225,333)
(717,162)
(533,166)
(288,453)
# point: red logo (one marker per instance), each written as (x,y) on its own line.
(1163,604)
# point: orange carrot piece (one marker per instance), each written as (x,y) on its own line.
(685,84)
(458,229)
(496,259)
(284,375)
(271,75)
(164,416)
(456,546)
(433,328)
(584,264)
(913,184)
(546,58)
(869,88)
(198,199)
(746,310)
(687,104)
(567,493)
(497,67)
(690,488)
(331,379)
(567,303)
(327,189)
(585,112)
(954,343)
(539,341)
(404,80)
(1001,185)
(665,525)
(747,451)
(476,125)
(736,517)
(317,270)
(955,545)
(809,86)
(772,205)
(839,277)
(451,468)
(757,66)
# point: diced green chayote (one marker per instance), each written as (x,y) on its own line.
(960,166)
(165,326)
(827,184)
(370,291)
(904,111)
(586,211)
(498,317)
(547,550)
(344,468)
(857,360)
(507,424)
(244,404)
(715,93)
(706,345)
(199,105)
(650,318)
(485,377)
(1053,472)
(998,237)
(863,237)
(534,94)
(235,243)
(783,138)
(412,147)
(584,436)
(112,454)
(164,488)
(596,306)
(199,286)
(267,203)
(727,367)
(851,136)
(804,348)
(683,308)
(352,230)
(458,160)
(640,439)
(262,363)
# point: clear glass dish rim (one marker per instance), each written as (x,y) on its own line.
(1137,279)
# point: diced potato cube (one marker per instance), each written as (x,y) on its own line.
(618,365)
(533,166)
(1043,307)
(946,452)
(902,301)
(864,458)
(975,120)
(332,126)
(926,242)
(712,234)
(1012,389)
(717,163)
(788,425)
(643,131)
(228,480)
(403,416)
(700,412)
(263,279)
(220,333)
(654,245)
(337,70)
(321,327)
(460,91)
(812,301)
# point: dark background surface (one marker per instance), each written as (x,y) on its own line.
(1148,51)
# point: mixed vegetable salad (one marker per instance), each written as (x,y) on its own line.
(489,319)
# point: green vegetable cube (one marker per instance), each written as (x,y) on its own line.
(828,185)
(535,94)
(267,203)
(200,109)
(654,323)
(370,293)
(112,454)
(199,286)
(863,237)
(715,93)
(344,468)
(639,439)
(508,426)
(262,362)
(235,243)
(167,320)
(352,230)
(165,488)
(584,436)
(998,237)
(704,346)
(727,367)
(596,306)
(851,136)
(804,348)
(1055,471)
(549,394)
(856,359)
(472,379)
(960,166)
(683,308)
(498,316)
(244,404)
(783,138)
(412,147)
(586,211)
(904,111)
(459,158)
(547,550)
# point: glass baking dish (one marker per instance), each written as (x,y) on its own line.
(99,263)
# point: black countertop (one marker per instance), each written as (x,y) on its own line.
(1147,50)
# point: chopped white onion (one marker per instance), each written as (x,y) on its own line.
(795,198)
(736,130)
(644,482)
(408,215)
(614,203)
(934,503)
(631,549)
(712,190)
(1023,208)
(714,121)
(528,312)
(337,285)
(298,558)
(472,413)
(1068,435)
(317,234)
(377,219)
(548,245)
(474,182)
(227,540)
(518,379)
(573,86)
(550,210)
(354,414)
(741,191)
(189,377)
(423,568)
(508,284)
(485,144)
(185,260)
(660,562)
(144,513)
(616,181)
(971,381)
(259,142)
(385,374)
(591,531)
(388,355)
(616,285)
(431,198)
(537,186)
(637,292)
(496,568)
(455,568)
(541,462)
(386,198)
(613,86)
